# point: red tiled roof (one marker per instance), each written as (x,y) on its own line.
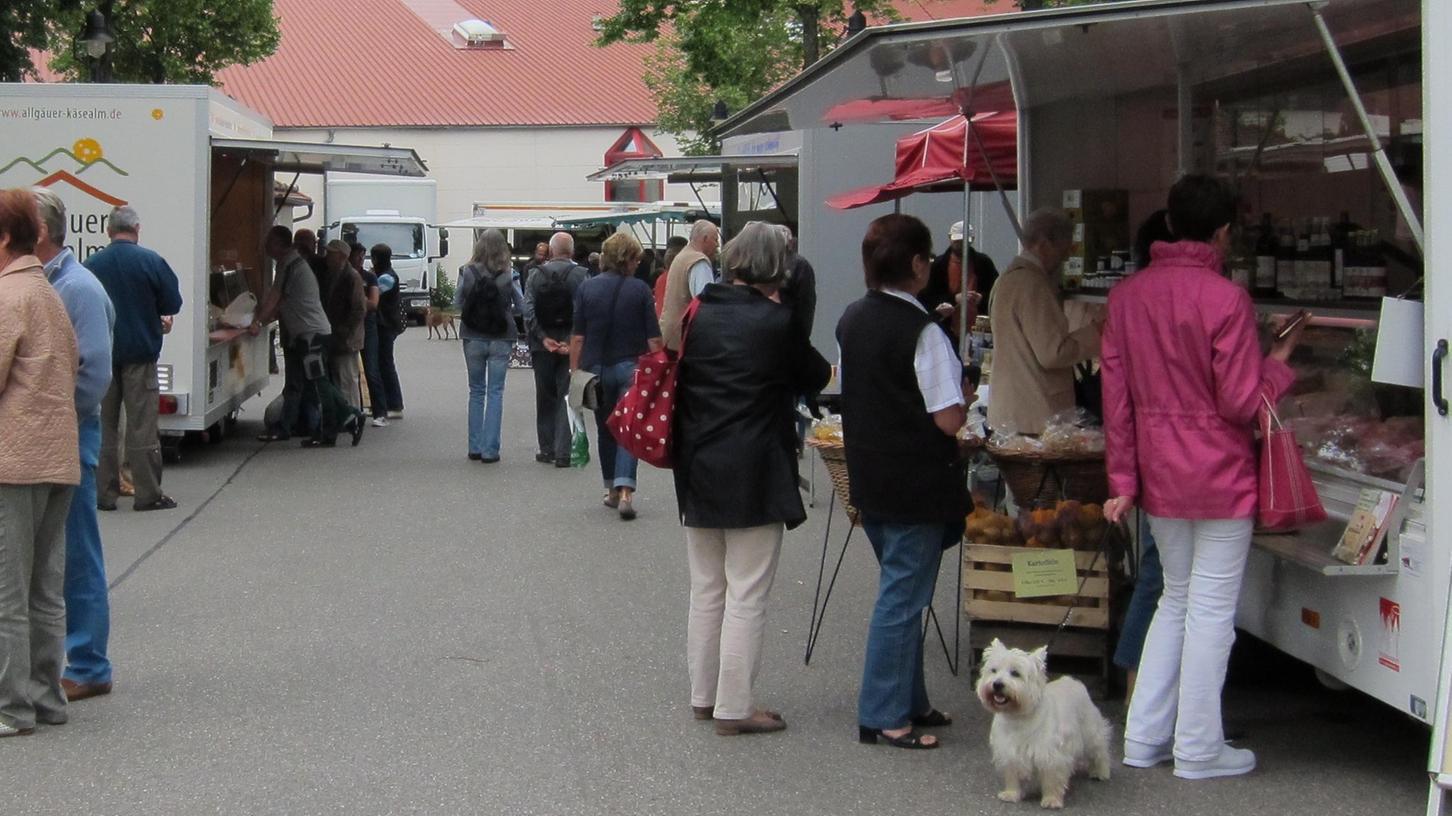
(323,74)
(922,10)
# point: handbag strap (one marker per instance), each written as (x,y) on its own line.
(1271,419)
(686,320)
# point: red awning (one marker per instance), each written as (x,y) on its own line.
(946,155)
(993,97)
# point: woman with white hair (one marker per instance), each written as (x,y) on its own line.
(1033,350)
(743,364)
(488,336)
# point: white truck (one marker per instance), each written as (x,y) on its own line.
(200,171)
(399,212)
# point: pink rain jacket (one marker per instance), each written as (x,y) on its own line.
(1183,378)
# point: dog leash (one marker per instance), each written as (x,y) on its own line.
(1103,550)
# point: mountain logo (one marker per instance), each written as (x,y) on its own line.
(84,155)
(63,176)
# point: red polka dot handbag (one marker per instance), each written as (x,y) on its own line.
(641,421)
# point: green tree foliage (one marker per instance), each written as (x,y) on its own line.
(709,50)
(181,41)
(24,22)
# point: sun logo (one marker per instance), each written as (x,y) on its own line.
(87,150)
(157,114)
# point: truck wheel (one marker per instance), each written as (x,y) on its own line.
(171,449)
(215,434)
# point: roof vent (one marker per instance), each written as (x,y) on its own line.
(479,34)
(598,22)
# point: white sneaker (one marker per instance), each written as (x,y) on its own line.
(380,422)
(1231,762)
(12,731)
(1140,755)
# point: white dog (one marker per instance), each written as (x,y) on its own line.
(1042,732)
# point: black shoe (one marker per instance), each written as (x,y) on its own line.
(163,503)
(476,456)
(311,443)
(562,463)
(543,458)
(357,429)
(489,460)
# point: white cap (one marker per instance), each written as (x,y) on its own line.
(955,232)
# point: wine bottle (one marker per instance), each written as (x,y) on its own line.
(1265,258)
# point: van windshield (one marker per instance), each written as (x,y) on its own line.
(406,240)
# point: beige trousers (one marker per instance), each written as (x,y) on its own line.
(345,376)
(731,576)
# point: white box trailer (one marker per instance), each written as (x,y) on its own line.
(199,170)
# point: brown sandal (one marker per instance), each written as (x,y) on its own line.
(709,713)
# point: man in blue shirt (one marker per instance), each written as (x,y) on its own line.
(88,611)
(144,290)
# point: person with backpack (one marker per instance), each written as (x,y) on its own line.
(549,314)
(486,297)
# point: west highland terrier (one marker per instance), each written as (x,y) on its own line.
(1042,732)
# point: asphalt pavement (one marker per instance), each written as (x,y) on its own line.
(396,629)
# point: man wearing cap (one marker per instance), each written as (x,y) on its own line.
(944,292)
(346,305)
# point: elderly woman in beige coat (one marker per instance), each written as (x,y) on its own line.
(1034,351)
(39,466)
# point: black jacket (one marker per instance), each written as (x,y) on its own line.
(743,367)
(937,293)
(902,468)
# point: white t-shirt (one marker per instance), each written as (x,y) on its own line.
(701,275)
(940,372)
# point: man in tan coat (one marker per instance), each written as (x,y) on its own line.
(688,275)
(1034,351)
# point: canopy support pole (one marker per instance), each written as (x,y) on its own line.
(997,184)
(1378,151)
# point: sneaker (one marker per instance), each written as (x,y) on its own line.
(395,415)
(380,422)
(1140,755)
(1231,762)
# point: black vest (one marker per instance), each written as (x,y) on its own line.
(901,467)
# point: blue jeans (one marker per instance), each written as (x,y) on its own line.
(893,689)
(376,392)
(88,609)
(616,466)
(487,361)
(1147,589)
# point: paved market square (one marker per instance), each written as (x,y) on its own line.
(395,629)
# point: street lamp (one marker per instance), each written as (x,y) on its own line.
(97,39)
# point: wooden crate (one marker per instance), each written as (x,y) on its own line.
(988,568)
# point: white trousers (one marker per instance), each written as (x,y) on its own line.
(1182,670)
(731,576)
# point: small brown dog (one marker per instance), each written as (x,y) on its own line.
(439,323)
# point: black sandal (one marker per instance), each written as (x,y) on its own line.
(911,740)
(933,719)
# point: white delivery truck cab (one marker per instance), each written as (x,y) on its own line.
(399,212)
(199,170)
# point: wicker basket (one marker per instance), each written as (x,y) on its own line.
(834,459)
(1037,478)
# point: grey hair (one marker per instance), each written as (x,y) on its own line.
(562,244)
(702,229)
(491,252)
(1047,224)
(757,255)
(123,219)
(52,214)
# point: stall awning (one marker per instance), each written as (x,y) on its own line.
(699,169)
(312,157)
(1086,53)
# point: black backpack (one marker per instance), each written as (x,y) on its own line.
(554,306)
(484,307)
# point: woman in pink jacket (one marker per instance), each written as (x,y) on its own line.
(1184,380)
